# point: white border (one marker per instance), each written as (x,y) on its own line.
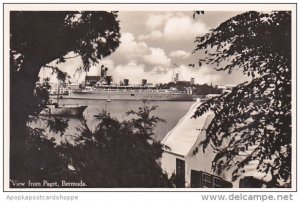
(142,7)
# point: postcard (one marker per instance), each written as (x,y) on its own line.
(150,97)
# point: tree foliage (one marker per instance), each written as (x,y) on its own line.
(253,122)
(116,154)
(119,154)
(47,36)
(36,39)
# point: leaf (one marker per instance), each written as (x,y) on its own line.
(242,116)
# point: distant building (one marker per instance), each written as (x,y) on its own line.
(184,83)
(144,82)
(72,86)
(189,90)
(192,81)
(176,79)
(150,84)
(226,88)
(209,96)
(126,82)
(59,89)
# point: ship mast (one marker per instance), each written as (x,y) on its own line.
(85,79)
(175,66)
(57,97)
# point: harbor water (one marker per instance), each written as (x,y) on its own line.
(170,111)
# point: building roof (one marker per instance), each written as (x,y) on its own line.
(186,134)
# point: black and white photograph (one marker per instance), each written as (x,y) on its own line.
(185,97)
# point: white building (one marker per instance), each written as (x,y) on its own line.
(72,86)
(193,169)
(226,88)
(210,96)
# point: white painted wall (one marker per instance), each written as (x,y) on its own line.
(199,162)
(203,162)
(168,162)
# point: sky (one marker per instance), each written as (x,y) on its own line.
(152,43)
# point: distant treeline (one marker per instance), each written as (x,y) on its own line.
(198,89)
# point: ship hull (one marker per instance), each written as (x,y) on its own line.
(64,111)
(68,111)
(131,96)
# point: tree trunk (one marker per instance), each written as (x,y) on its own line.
(22,84)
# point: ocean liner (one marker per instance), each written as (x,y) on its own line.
(111,93)
(101,88)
